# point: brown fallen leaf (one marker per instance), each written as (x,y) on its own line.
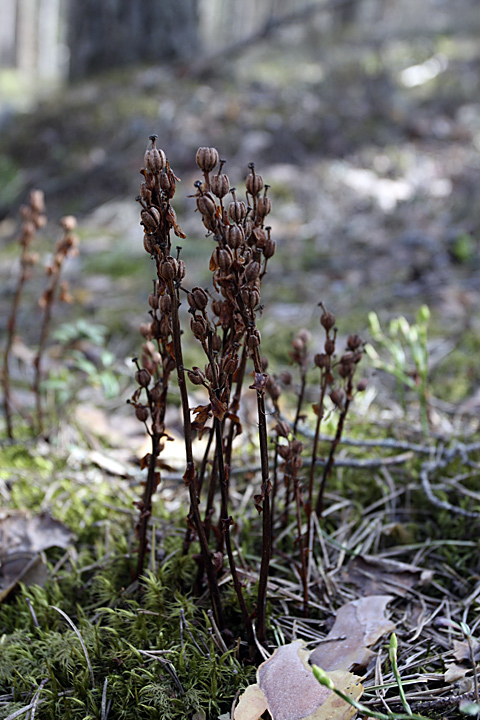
(287,688)
(461,650)
(361,623)
(378,576)
(23,539)
(454,673)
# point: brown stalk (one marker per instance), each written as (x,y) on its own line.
(191,475)
(33,219)
(67,245)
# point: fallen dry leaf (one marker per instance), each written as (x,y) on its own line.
(378,576)
(361,623)
(454,673)
(461,650)
(22,541)
(287,688)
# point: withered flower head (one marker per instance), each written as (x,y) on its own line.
(207,158)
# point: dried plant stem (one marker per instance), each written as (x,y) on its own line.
(261,625)
(327,470)
(146,507)
(225,522)
(11,327)
(37,363)
(191,475)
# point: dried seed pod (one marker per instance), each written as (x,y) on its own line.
(154,158)
(329,346)
(68,223)
(145,193)
(362,385)
(198,298)
(234,236)
(207,159)
(269,249)
(217,306)
(250,297)
(206,204)
(168,269)
(354,342)
(196,376)
(166,304)
(322,360)
(168,364)
(148,244)
(146,330)
(141,411)
(199,327)
(254,340)
(264,206)
(167,183)
(143,377)
(181,270)
(210,222)
(237,210)
(254,182)
(327,319)
(229,364)
(150,219)
(220,185)
(37,201)
(252,271)
(223,258)
(337,397)
(153,300)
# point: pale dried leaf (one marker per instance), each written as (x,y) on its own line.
(21,533)
(361,623)
(454,672)
(378,576)
(461,650)
(251,705)
(288,689)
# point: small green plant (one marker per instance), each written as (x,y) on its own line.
(404,354)
(325,680)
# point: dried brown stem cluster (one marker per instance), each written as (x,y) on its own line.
(33,218)
(223,319)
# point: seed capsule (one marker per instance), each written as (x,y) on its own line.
(234,236)
(337,396)
(142,413)
(220,185)
(252,271)
(154,158)
(143,377)
(206,204)
(166,304)
(327,320)
(168,269)
(237,211)
(198,298)
(207,158)
(150,219)
(254,182)
(354,342)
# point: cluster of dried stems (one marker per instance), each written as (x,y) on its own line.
(223,319)
(33,219)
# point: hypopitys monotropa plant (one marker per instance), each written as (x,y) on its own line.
(223,320)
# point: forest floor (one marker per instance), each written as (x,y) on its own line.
(373,158)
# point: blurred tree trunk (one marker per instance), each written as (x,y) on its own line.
(105,34)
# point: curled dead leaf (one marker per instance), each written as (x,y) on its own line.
(287,688)
(358,625)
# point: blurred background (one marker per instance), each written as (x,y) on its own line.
(362,115)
